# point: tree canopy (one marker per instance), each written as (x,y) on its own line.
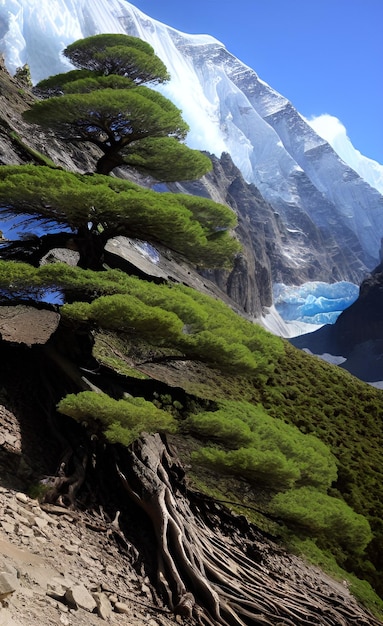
(118,54)
(107,102)
(96,208)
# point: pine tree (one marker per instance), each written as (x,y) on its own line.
(90,210)
(107,102)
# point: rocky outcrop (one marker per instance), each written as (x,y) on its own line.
(27,324)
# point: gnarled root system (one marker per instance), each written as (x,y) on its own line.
(205,574)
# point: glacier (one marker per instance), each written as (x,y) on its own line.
(315,303)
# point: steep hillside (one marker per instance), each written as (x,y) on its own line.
(148,410)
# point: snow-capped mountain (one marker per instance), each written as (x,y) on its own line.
(229,109)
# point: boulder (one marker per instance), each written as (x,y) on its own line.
(78,597)
(104,607)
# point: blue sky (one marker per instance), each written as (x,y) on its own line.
(326,56)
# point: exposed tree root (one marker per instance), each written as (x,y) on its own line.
(62,484)
(203,573)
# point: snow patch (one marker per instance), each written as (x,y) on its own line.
(273,322)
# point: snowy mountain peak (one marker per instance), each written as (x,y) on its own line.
(228,108)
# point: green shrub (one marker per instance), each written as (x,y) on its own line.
(265,468)
(320,514)
(121,420)
(301,459)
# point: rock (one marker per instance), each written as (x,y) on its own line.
(78,597)
(9,569)
(145,590)
(8,585)
(40,523)
(104,607)
(8,527)
(23,531)
(7,619)
(29,325)
(22,497)
(56,591)
(76,541)
(88,559)
(67,583)
(61,255)
(121,607)
(70,549)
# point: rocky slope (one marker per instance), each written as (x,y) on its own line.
(60,567)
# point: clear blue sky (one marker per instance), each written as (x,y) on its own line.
(326,56)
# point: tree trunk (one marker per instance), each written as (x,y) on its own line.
(90,245)
(203,573)
(108,162)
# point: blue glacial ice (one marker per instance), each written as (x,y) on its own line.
(314,302)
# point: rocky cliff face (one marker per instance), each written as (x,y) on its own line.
(273,251)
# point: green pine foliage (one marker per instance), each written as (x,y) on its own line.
(99,114)
(158,157)
(59,83)
(107,102)
(118,54)
(161,314)
(330,519)
(85,203)
(86,84)
(129,314)
(266,450)
(121,421)
(173,316)
(268,468)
